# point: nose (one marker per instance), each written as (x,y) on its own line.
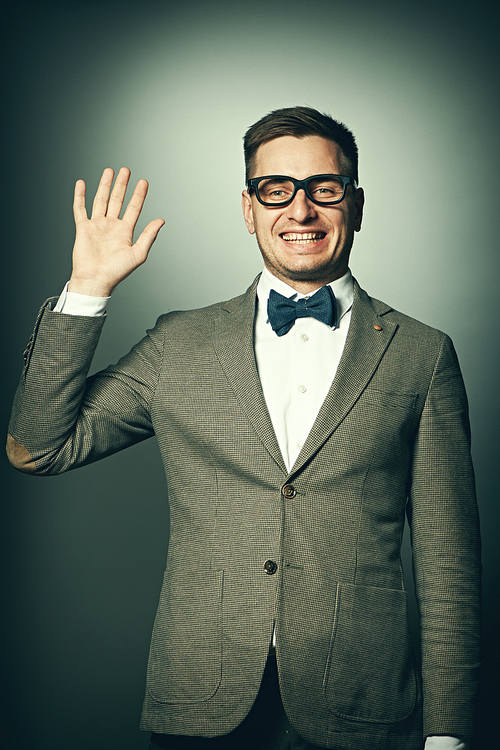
(301,209)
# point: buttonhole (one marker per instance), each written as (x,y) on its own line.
(294,567)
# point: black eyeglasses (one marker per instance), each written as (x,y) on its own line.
(278,190)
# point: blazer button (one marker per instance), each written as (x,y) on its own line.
(289,491)
(270,567)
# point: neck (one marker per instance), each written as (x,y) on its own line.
(306,286)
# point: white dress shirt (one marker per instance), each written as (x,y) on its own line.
(296,371)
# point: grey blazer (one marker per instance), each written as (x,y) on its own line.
(316,550)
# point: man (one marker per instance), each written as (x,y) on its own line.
(298,424)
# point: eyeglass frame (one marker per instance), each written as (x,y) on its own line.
(300,185)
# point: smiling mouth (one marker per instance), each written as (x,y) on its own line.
(302,237)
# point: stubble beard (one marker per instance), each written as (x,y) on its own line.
(318,273)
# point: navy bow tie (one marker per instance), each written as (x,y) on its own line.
(283,311)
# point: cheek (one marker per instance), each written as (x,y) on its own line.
(265,227)
(341,225)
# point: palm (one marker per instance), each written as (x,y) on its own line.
(104,252)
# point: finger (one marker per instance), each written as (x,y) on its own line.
(79,210)
(134,208)
(100,203)
(147,237)
(118,194)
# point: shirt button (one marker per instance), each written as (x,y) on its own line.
(289,491)
(270,566)
(302,388)
(304,337)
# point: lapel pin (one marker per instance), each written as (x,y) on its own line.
(378,328)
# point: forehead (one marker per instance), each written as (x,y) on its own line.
(298,157)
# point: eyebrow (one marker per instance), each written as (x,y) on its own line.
(277,180)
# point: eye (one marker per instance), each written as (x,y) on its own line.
(326,189)
(276,190)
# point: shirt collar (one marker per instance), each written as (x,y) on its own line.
(342,288)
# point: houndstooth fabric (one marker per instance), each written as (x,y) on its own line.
(392,428)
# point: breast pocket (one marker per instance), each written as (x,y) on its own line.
(186,647)
(369,674)
(385,399)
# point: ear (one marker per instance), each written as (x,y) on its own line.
(359,202)
(246,204)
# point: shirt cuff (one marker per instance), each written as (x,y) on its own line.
(71,303)
(440,742)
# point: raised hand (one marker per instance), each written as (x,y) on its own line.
(104,252)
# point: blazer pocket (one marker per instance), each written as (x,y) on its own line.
(390,398)
(185,658)
(369,674)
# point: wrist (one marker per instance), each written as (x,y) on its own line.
(90,287)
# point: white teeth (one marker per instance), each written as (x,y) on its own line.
(303,237)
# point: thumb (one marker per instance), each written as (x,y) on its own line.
(147,237)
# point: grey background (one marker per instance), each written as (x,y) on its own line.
(169,92)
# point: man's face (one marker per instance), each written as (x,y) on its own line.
(303,244)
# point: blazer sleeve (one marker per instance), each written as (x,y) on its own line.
(65,419)
(446,552)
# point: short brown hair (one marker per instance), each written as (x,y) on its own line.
(299,122)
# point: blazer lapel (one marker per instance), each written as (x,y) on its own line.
(364,348)
(368,337)
(233,343)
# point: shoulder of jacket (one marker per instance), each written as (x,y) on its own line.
(406,323)
(203,316)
